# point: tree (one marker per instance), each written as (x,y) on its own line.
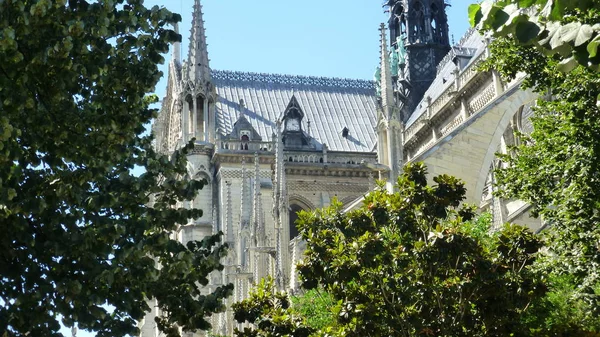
(270,312)
(555,168)
(405,264)
(316,307)
(567,28)
(81,233)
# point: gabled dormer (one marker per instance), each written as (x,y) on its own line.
(243,129)
(293,135)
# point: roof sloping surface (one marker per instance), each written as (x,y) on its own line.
(330,104)
(472,40)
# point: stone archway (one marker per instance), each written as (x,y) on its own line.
(468,151)
(297,203)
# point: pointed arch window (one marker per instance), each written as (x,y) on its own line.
(417,23)
(398,23)
(293,216)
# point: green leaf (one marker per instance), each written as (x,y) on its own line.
(475,14)
(526,31)
(592,47)
(526,3)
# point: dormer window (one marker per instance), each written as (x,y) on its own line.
(245,135)
(292,119)
(245,138)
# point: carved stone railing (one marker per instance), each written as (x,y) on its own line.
(439,104)
(452,125)
(448,98)
(482,98)
(329,158)
(241,146)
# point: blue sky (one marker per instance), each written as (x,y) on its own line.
(333,38)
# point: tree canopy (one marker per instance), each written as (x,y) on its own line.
(85,240)
(555,168)
(568,28)
(410,263)
(270,312)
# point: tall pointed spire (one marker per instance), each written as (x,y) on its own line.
(199,69)
(176,47)
(387,90)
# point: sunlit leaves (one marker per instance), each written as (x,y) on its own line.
(558,27)
(555,168)
(408,263)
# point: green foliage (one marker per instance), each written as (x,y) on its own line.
(563,312)
(555,168)
(80,234)
(405,264)
(565,28)
(316,306)
(270,312)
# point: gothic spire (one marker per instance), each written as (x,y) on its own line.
(387,90)
(199,69)
(176,57)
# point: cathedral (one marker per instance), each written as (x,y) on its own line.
(271,145)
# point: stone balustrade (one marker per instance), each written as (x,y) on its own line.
(448,111)
(329,158)
(239,146)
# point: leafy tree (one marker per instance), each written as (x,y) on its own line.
(555,168)
(270,312)
(404,264)
(569,29)
(81,233)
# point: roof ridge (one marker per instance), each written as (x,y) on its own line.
(292,80)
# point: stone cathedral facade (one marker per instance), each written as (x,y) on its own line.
(270,145)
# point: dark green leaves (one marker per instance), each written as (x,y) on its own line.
(81,232)
(407,264)
(270,313)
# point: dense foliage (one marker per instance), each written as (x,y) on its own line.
(270,313)
(567,28)
(316,306)
(556,167)
(81,241)
(405,264)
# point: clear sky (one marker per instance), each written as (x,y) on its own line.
(332,38)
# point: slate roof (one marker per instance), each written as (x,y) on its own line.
(471,41)
(329,103)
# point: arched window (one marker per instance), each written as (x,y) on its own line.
(245,139)
(434,23)
(399,25)
(417,18)
(293,216)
